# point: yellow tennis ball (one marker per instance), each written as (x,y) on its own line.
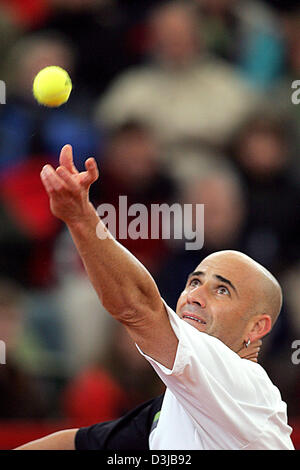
(52,86)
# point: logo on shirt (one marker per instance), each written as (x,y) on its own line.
(155,421)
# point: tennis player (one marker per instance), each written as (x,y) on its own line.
(214,398)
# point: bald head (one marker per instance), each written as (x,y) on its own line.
(236,299)
(266,293)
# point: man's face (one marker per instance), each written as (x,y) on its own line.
(173,36)
(218,297)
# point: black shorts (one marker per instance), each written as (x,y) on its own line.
(130,432)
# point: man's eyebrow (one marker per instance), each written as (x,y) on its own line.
(217,276)
(196,273)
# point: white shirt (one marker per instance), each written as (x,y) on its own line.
(216,400)
(205,100)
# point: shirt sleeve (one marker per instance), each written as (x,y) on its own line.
(212,382)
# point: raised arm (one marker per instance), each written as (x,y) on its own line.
(124,286)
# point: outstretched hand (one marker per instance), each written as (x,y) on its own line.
(251,352)
(67,188)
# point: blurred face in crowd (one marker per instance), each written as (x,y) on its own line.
(132,156)
(262,153)
(173,35)
(223,209)
(216,7)
(37,53)
(231,297)
(10,325)
(294,51)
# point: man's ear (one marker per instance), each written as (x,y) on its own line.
(261,326)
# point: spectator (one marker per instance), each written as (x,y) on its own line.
(28,14)
(264,158)
(97,30)
(9,31)
(84,323)
(181,93)
(28,229)
(22,396)
(246,33)
(283,90)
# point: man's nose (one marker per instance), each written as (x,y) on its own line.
(197,296)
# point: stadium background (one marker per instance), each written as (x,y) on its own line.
(186,104)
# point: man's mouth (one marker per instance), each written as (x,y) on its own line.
(192,317)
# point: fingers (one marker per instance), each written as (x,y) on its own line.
(46,183)
(63,176)
(251,352)
(50,179)
(67,178)
(250,356)
(254,348)
(91,174)
(58,180)
(257,343)
(66,159)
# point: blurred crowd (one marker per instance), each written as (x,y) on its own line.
(179,101)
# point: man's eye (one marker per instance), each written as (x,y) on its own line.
(223,290)
(194,282)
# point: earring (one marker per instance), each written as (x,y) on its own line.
(246,343)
